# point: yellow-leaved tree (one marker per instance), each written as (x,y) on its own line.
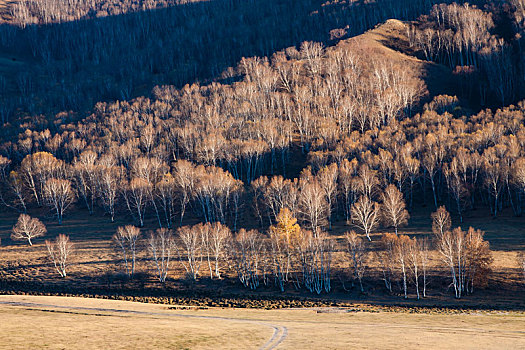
(287,229)
(284,235)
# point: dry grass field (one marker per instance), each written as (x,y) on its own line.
(73,323)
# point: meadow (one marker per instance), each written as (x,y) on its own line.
(57,323)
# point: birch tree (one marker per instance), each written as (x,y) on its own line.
(365,215)
(192,249)
(161,244)
(59,195)
(28,228)
(440,221)
(249,248)
(219,239)
(358,256)
(126,240)
(393,207)
(401,253)
(415,263)
(59,253)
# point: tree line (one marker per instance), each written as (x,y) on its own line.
(288,256)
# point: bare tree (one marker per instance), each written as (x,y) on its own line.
(316,258)
(59,253)
(192,244)
(161,244)
(185,179)
(455,185)
(126,239)
(365,215)
(401,253)
(108,182)
(441,221)
(84,171)
(249,248)
(166,194)
(467,256)
(59,195)
(415,262)
(479,258)
(136,194)
(28,228)
(424,261)
(219,239)
(387,258)
(313,205)
(367,181)
(393,207)
(358,254)
(451,247)
(37,169)
(16,184)
(327,177)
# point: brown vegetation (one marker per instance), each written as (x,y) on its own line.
(262,170)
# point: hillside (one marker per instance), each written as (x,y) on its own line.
(389,41)
(306,154)
(73,64)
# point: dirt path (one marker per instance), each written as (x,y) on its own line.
(279,332)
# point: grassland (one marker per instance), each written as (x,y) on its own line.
(72,323)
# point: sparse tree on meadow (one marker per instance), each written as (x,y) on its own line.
(126,240)
(192,248)
(358,254)
(60,251)
(161,244)
(467,256)
(28,228)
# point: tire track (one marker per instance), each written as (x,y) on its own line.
(279,332)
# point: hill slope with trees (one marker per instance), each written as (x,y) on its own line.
(288,171)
